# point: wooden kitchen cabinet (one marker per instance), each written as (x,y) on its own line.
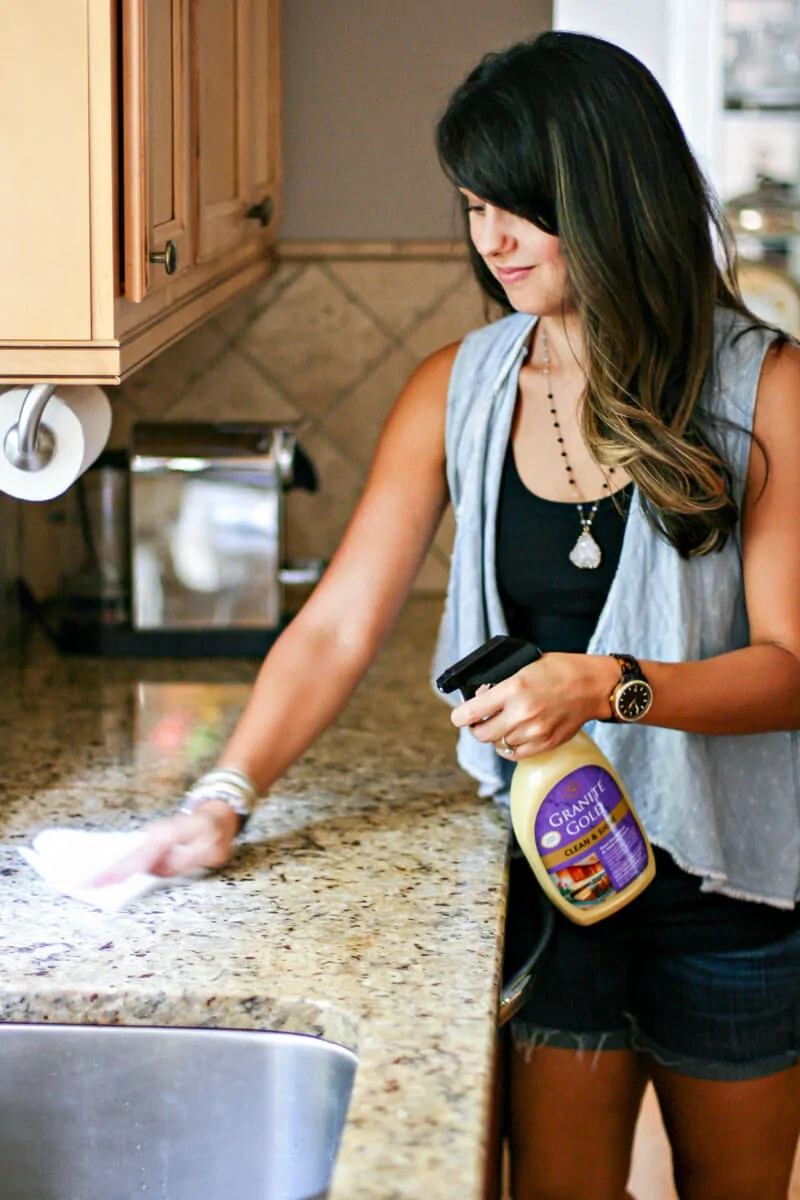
(236,126)
(156,144)
(140,191)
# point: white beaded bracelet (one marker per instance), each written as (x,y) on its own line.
(233,787)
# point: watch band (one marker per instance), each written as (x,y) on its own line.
(630,673)
(629,668)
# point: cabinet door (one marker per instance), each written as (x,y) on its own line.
(45,288)
(156,148)
(235,46)
(221,188)
(260,90)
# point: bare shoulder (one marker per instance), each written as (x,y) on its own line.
(432,375)
(441,359)
(778,406)
(771,513)
(777,417)
(423,401)
(780,375)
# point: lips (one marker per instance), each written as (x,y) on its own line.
(511,275)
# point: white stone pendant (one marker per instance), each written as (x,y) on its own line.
(586,553)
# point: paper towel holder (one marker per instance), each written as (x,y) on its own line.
(30,445)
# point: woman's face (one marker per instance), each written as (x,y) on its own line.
(524,259)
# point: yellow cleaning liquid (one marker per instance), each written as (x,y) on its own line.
(579,831)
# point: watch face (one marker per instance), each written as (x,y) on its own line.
(633,700)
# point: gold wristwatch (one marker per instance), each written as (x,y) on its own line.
(632,697)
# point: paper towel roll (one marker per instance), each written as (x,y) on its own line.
(79,417)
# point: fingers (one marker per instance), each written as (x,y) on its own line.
(524,738)
(488,700)
(521,750)
(484,705)
(504,748)
(176,847)
(535,710)
(514,727)
(141,860)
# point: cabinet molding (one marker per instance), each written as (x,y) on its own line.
(111,362)
(289,250)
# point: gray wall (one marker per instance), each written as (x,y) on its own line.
(364,82)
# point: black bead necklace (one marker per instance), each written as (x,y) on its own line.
(585,554)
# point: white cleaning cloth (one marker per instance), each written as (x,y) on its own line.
(68,859)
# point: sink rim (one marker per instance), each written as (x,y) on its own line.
(186,1007)
(184,1032)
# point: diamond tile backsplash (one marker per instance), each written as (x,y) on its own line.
(327,344)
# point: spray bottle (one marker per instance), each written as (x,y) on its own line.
(571,814)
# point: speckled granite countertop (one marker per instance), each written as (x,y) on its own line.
(365,904)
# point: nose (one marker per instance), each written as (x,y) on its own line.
(490,232)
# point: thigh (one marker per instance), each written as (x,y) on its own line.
(575,1086)
(731,1140)
(572,1120)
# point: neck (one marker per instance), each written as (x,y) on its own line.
(565,342)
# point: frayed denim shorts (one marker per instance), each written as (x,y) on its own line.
(652,978)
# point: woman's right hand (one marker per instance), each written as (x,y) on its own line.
(180,845)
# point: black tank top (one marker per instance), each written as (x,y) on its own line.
(545,597)
(556,605)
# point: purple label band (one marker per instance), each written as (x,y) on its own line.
(587,837)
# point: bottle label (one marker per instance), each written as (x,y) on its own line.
(587,837)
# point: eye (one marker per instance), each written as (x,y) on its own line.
(472,204)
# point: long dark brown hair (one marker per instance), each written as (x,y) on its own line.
(574,134)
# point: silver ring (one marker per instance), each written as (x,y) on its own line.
(508,750)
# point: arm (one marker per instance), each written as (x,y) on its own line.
(316,663)
(752,690)
(755,689)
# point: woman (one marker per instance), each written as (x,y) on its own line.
(628,393)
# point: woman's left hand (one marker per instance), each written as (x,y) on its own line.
(541,706)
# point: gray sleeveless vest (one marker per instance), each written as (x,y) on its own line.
(727,808)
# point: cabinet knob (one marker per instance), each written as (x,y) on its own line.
(262,211)
(168,257)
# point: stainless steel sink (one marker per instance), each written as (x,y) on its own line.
(114,1112)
